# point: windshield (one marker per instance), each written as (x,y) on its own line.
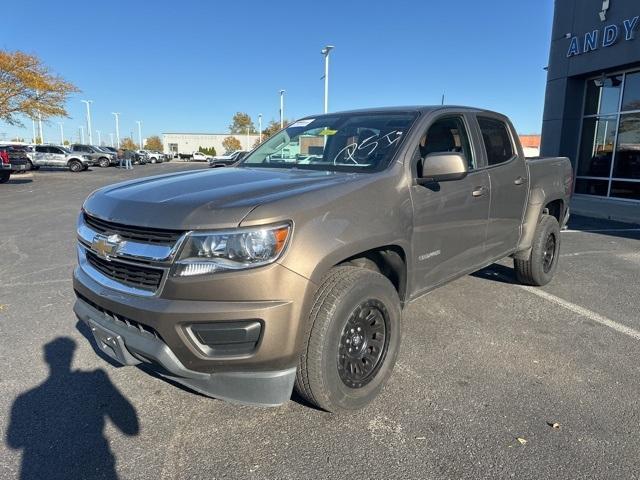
(348,142)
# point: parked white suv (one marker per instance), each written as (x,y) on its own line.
(54,156)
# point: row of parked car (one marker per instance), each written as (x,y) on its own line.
(75,158)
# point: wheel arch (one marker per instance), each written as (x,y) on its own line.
(389,260)
(539,204)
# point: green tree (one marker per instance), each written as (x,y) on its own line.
(154,144)
(66,142)
(231,143)
(38,141)
(241,121)
(28,88)
(128,144)
(208,151)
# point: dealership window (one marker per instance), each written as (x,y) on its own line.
(609,158)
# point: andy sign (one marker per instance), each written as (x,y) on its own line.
(604,37)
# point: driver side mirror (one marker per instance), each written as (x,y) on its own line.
(443,167)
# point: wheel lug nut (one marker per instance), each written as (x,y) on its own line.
(349,349)
(348,341)
(359,329)
(352,330)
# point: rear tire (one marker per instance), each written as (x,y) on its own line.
(539,268)
(75,166)
(4,177)
(104,162)
(353,342)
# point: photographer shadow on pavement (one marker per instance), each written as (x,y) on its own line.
(59,424)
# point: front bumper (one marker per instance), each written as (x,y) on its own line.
(131,345)
(158,330)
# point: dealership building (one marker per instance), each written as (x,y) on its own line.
(592,105)
(191,142)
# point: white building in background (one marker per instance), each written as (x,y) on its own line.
(191,142)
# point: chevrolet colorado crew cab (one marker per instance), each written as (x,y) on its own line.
(291,271)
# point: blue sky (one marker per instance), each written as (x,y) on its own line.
(189,66)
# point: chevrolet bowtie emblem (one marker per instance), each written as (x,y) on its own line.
(106,246)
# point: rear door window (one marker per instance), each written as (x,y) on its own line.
(497,141)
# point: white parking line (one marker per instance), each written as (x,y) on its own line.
(607,322)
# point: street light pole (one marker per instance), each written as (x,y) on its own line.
(99,138)
(88,103)
(111,136)
(259,128)
(140,134)
(61,133)
(40,128)
(282,92)
(117,115)
(325,51)
(33,126)
(81,134)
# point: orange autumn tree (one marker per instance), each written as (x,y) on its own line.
(231,144)
(28,88)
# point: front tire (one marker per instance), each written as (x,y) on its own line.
(353,341)
(104,162)
(539,268)
(75,166)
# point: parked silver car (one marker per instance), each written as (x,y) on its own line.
(54,156)
(100,157)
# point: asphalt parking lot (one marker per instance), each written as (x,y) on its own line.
(494,380)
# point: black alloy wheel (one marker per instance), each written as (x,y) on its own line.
(363,344)
(549,253)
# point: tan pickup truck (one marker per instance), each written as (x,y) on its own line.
(291,270)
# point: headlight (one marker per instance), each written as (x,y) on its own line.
(231,250)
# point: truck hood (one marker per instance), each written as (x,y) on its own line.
(203,199)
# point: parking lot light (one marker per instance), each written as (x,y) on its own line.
(259,128)
(99,138)
(40,128)
(282,92)
(111,137)
(81,128)
(139,122)
(88,104)
(117,115)
(325,51)
(61,133)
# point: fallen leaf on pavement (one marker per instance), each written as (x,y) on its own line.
(522,441)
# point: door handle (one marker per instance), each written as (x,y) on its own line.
(519,181)
(479,191)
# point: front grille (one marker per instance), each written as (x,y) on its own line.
(135,276)
(155,236)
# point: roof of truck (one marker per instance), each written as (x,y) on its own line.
(409,108)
